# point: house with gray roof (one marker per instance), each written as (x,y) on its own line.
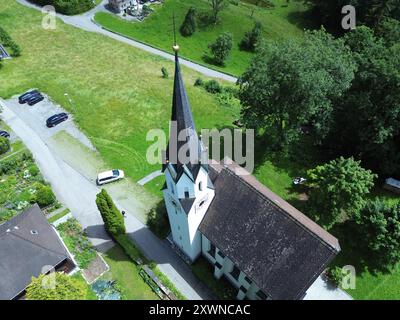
(29,246)
(265,247)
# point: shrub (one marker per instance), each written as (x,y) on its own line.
(252,38)
(33,170)
(164,72)
(335,275)
(66,288)
(213,87)
(15,50)
(113,220)
(189,25)
(44,196)
(146,10)
(4,145)
(221,48)
(157,220)
(199,82)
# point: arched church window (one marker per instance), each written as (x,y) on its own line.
(201,185)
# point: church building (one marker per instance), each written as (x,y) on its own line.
(265,247)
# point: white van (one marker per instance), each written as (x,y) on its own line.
(109,176)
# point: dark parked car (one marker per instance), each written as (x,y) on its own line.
(4,134)
(26,96)
(56,119)
(35,99)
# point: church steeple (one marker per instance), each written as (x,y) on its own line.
(183,135)
(188,190)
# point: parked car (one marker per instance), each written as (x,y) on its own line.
(35,99)
(299,180)
(109,176)
(4,134)
(56,119)
(26,96)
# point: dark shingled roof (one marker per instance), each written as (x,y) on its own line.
(187,203)
(275,245)
(182,116)
(23,254)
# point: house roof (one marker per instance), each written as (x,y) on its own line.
(275,245)
(27,244)
(183,131)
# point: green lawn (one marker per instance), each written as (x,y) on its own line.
(90,295)
(58,215)
(116,97)
(126,273)
(157,30)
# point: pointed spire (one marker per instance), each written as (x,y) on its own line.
(182,126)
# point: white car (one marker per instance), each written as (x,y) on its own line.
(109,176)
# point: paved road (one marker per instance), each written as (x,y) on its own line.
(85,22)
(79,194)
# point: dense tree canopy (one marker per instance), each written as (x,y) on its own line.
(55,286)
(367,116)
(369,12)
(379,223)
(338,190)
(293,83)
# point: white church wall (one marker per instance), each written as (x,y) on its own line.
(184,226)
(227,267)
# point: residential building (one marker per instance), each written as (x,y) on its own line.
(29,246)
(122,6)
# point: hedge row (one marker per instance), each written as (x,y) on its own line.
(68,7)
(7,41)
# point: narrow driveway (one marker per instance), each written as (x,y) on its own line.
(79,194)
(85,21)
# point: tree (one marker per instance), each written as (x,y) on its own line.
(189,25)
(44,196)
(380,9)
(379,225)
(338,189)
(65,288)
(389,31)
(216,7)
(370,12)
(294,82)
(252,38)
(4,144)
(366,121)
(113,220)
(221,48)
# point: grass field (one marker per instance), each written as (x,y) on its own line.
(115,104)
(126,273)
(157,30)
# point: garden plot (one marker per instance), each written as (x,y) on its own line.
(21,185)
